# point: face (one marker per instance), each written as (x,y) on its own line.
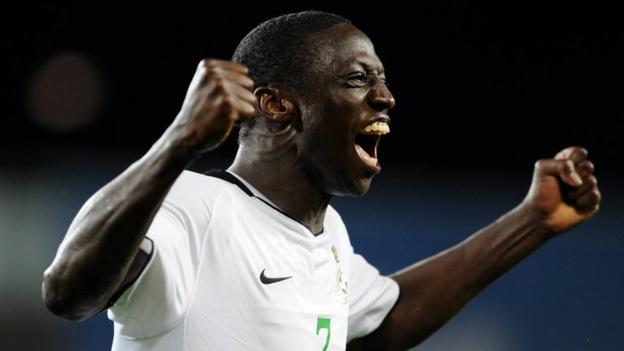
(344,113)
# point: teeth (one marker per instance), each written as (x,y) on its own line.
(379,128)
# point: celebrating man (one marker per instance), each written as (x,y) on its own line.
(255,258)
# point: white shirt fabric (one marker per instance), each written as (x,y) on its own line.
(201,289)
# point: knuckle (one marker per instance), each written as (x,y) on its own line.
(208,63)
(228,101)
(218,84)
(249,108)
(244,69)
(540,163)
(597,195)
(213,71)
(218,81)
(586,166)
(592,197)
(248,81)
(592,180)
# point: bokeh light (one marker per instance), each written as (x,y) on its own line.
(65,93)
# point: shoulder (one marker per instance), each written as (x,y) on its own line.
(334,223)
(332,216)
(192,185)
(193,197)
(189,180)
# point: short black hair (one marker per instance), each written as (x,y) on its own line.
(278,51)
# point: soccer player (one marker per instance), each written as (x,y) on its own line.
(255,258)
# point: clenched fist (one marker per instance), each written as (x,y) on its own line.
(218,96)
(564,190)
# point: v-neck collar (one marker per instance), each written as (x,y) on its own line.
(246,187)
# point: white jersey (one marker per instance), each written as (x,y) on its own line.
(230,271)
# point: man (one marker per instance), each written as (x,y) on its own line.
(255,258)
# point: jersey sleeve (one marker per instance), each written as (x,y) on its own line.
(372,296)
(158,298)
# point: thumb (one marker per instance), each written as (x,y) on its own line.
(562,169)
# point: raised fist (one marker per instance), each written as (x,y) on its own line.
(218,96)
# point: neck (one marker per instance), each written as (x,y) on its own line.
(285,183)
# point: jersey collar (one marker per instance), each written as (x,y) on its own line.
(247,189)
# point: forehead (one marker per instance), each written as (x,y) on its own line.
(345,46)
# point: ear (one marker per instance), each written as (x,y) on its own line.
(275,104)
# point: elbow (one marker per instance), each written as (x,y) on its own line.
(59,299)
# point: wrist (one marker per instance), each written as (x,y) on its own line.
(536,219)
(180,145)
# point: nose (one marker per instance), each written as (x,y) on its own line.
(380,98)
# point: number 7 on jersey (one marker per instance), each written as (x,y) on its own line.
(324,323)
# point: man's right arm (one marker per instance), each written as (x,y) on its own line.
(98,251)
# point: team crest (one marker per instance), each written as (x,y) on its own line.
(341,284)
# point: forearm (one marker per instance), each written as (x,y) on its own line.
(106,234)
(434,290)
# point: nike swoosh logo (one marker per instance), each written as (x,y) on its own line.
(267,280)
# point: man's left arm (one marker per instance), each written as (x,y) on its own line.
(563,193)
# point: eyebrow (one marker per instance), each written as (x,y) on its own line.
(370,68)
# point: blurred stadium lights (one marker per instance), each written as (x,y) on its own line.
(65,92)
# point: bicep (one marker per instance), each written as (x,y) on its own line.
(372,297)
(355,345)
(156,290)
(138,265)
(382,337)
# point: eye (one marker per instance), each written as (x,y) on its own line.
(361,76)
(357,79)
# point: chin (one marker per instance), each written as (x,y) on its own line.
(364,186)
(353,187)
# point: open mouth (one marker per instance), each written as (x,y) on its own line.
(366,142)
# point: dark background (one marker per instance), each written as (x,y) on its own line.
(489,85)
(483,90)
